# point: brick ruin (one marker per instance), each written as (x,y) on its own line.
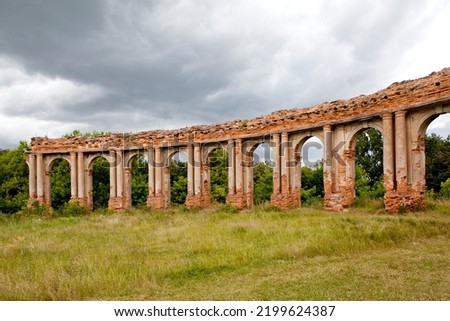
(401,112)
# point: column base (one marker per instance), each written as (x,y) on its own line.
(285,200)
(158,202)
(238,200)
(335,202)
(35,201)
(396,201)
(193,201)
(83,202)
(116,203)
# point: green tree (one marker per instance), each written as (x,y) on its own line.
(178,182)
(312,182)
(13,179)
(313,177)
(437,154)
(445,189)
(369,154)
(60,183)
(139,181)
(263,182)
(100,176)
(219,175)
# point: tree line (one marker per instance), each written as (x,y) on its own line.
(368,180)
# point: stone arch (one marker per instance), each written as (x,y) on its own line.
(349,190)
(49,163)
(171,152)
(296,163)
(418,123)
(207,183)
(248,154)
(89,160)
(167,181)
(300,140)
(129,157)
(131,154)
(50,160)
(358,129)
(424,119)
(209,148)
(89,177)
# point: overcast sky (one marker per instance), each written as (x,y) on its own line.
(110,65)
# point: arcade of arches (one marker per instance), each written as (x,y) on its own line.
(401,112)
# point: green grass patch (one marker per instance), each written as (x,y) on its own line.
(221,254)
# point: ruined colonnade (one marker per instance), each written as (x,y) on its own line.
(401,112)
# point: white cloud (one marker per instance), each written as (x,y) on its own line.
(22,93)
(15,129)
(440,126)
(141,65)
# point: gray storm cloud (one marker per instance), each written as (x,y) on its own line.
(137,65)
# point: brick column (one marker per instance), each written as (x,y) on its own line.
(47,183)
(73,176)
(151,171)
(247,162)
(329,200)
(119,173)
(400,151)
(190,170)
(231,168)
(277,164)
(157,199)
(197,170)
(388,153)
(81,173)
(112,175)
(40,178)
(285,179)
(127,190)
(31,160)
(158,171)
(239,178)
(236,196)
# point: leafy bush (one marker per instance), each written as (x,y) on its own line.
(72,209)
(263,187)
(13,179)
(445,189)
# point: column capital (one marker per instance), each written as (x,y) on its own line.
(386,116)
(400,113)
(275,136)
(327,128)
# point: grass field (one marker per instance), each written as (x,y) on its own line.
(258,254)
